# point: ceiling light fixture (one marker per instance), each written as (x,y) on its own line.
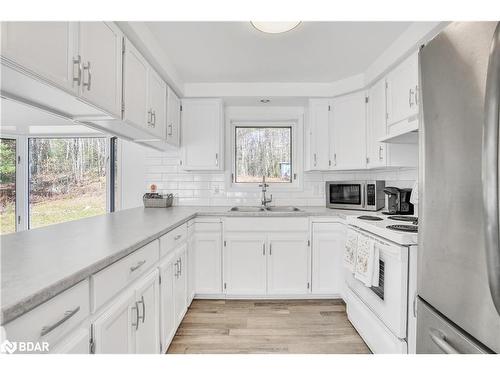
(275,27)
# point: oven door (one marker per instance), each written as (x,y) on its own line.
(388,301)
(346,194)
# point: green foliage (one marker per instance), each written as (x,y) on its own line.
(7,161)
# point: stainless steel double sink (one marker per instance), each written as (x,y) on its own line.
(262,209)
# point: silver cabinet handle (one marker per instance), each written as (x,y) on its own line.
(88,69)
(78,62)
(270,249)
(439,339)
(67,315)
(315,160)
(417,96)
(335,159)
(177,237)
(180,266)
(137,266)
(153,118)
(217,159)
(149,117)
(177,269)
(380,150)
(490,169)
(411,94)
(170,129)
(136,308)
(143,317)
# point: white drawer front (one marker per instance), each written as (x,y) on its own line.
(267,224)
(108,282)
(54,318)
(173,239)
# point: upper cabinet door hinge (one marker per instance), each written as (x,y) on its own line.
(308,242)
(224,242)
(367,99)
(329,107)
(181,107)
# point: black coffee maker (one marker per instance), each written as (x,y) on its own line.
(398,201)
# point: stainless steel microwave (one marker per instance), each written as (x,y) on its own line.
(355,195)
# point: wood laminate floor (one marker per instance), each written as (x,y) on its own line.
(267,326)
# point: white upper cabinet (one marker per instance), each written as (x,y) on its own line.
(349,131)
(135,87)
(82,58)
(202,134)
(157,99)
(101,65)
(47,49)
(402,91)
(173,118)
(376,126)
(319,130)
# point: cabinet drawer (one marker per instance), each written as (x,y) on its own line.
(173,239)
(274,224)
(108,282)
(54,318)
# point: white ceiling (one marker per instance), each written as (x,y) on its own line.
(237,52)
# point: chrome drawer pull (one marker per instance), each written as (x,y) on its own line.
(177,237)
(143,317)
(137,266)
(89,82)
(68,314)
(136,308)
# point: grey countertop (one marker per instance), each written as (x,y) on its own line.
(38,264)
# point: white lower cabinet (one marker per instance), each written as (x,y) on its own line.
(168,322)
(206,271)
(328,242)
(288,264)
(245,264)
(180,284)
(130,324)
(76,343)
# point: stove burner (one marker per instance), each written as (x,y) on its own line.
(402,218)
(370,218)
(403,228)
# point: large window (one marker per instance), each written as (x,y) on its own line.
(67,179)
(7,185)
(263,151)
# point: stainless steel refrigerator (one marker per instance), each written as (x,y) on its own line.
(458,308)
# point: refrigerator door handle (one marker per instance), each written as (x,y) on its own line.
(490,168)
(439,339)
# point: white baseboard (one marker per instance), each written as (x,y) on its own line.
(268,297)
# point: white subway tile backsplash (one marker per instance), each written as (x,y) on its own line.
(209,188)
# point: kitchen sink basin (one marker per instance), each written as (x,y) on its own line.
(283,209)
(246,209)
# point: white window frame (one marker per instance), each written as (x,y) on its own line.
(266,117)
(22,173)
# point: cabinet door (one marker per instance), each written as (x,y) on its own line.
(180,285)
(208,258)
(327,258)
(191,259)
(44,48)
(167,303)
(114,330)
(402,87)
(288,264)
(201,134)
(376,126)
(245,264)
(173,118)
(147,339)
(101,54)
(135,87)
(78,342)
(319,122)
(157,104)
(349,126)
